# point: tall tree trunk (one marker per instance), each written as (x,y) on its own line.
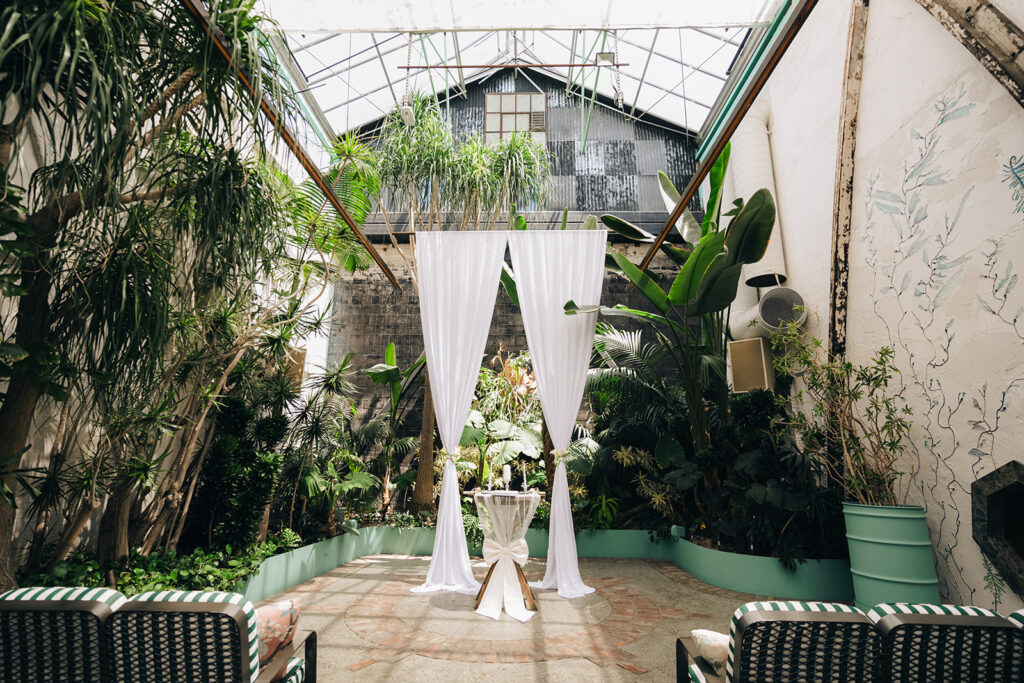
(24,390)
(72,532)
(264,523)
(423,494)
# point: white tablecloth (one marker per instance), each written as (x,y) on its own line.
(504,518)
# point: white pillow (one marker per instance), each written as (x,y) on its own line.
(713,647)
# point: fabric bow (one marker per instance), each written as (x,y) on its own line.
(517,551)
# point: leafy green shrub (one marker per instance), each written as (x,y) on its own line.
(238,477)
(201,569)
(474,533)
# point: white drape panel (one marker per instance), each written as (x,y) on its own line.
(449,564)
(458,283)
(551,267)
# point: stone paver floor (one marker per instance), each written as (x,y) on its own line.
(371,628)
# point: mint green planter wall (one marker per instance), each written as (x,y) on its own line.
(281,572)
(890,554)
(821,580)
(826,580)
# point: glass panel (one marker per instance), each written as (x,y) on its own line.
(508,103)
(540,137)
(522,122)
(491,137)
(537,102)
(523,102)
(493,122)
(508,121)
(493,102)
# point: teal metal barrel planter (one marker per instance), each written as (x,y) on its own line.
(819,580)
(890,554)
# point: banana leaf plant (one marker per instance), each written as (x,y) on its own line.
(690,317)
(402,385)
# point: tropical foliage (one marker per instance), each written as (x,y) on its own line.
(159,262)
(851,421)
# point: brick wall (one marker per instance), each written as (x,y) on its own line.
(368,313)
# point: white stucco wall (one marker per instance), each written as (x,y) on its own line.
(934,251)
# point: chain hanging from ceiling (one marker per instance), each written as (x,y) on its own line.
(617,70)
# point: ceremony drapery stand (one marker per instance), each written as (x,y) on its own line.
(551,267)
(458,283)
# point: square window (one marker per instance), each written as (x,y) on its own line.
(493,103)
(540,137)
(491,137)
(493,122)
(523,102)
(508,122)
(537,102)
(508,103)
(522,122)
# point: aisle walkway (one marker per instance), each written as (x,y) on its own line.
(371,628)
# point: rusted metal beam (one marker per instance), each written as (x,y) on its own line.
(989,35)
(842,217)
(796,20)
(223,45)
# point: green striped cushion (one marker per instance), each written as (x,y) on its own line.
(878,612)
(1017,617)
(696,675)
(107,595)
(776,606)
(215,596)
(295,672)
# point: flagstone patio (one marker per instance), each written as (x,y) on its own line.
(371,628)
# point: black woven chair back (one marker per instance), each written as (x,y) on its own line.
(154,642)
(52,641)
(805,647)
(951,649)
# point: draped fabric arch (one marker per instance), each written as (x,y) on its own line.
(551,267)
(458,282)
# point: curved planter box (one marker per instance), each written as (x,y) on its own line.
(825,580)
(821,580)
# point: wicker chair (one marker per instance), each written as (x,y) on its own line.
(55,634)
(948,643)
(176,636)
(794,642)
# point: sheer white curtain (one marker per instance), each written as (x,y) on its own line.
(551,267)
(458,281)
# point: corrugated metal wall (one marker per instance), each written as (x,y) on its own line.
(616,171)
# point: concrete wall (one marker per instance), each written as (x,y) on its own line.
(938,233)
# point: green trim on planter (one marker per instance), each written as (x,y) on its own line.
(821,580)
(825,580)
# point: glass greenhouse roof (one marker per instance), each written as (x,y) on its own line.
(653,59)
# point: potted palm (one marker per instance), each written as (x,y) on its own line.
(851,422)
